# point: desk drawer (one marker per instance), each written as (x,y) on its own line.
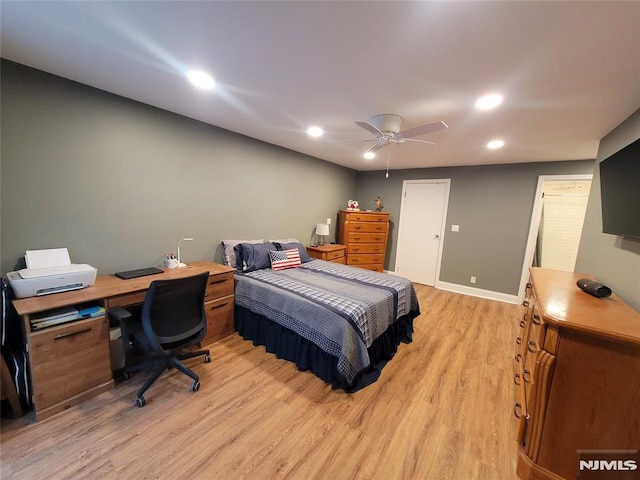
(335,255)
(219,318)
(219,286)
(68,360)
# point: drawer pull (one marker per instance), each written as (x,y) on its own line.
(355,260)
(529,285)
(523,322)
(525,303)
(518,357)
(215,307)
(356,238)
(519,341)
(517,410)
(71,334)
(357,228)
(516,379)
(526,375)
(536,319)
(532,347)
(214,282)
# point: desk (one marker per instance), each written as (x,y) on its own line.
(70,363)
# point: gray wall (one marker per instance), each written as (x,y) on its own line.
(613,260)
(491,203)
(120,183)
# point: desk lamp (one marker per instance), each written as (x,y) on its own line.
(322,229)
(186,239)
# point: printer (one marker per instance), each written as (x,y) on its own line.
(50,271)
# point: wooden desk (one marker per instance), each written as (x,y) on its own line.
(70,363)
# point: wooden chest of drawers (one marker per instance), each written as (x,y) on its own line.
(577,364)
(365,235)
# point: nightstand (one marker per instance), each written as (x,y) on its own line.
(331,253)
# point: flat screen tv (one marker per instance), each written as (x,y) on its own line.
(620,190)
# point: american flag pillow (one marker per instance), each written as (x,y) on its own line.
(285,259)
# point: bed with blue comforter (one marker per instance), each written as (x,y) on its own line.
(340,322)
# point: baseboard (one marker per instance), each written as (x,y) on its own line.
(478,292)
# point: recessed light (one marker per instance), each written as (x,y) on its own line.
(369,155)
(495,144)
(315,132)
(487,102)
(201,79)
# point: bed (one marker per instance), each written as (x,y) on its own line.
(340,322)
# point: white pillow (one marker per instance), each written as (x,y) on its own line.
(285,240)
(229,255)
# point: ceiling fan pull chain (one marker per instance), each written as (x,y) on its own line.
(388,155)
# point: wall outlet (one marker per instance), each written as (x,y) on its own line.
(473,279)
(328,221)
(455,228)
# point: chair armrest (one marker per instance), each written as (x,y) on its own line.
(119,314)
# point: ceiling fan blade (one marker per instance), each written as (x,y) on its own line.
(421,130)
(369,128)
(368,140)
(417,140)
(375,148)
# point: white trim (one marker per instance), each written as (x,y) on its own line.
(535,225)
(478,292)
(447,182)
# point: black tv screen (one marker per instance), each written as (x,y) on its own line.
(620,190)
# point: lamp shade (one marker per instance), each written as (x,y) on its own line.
(322,229)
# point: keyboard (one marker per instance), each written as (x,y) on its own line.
(140,272)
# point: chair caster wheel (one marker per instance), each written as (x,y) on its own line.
(140,401)
(127,375)
(196,386)
(207,358)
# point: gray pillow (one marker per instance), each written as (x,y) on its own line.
(304,256)
(228,252)
(253,256)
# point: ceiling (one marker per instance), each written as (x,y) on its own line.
(569,72)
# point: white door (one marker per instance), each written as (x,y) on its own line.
(422,221)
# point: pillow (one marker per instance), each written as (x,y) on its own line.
(228,253)
(285,240)
(253,256)
(281,259)
(304,256)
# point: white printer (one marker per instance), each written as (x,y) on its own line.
(50,271)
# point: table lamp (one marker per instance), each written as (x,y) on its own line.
(186,239)
(322,229)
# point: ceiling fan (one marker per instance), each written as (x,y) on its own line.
(385,127)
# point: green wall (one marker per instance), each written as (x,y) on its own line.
(492,204)
(613,260)
(119,183)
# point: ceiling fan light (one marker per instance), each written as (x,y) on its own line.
(315,132)
(487,102)
(201,79)
(369,155)
(495,144)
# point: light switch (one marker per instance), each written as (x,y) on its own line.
(328,221)
(455,228)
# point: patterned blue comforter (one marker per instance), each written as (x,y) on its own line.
(341,309)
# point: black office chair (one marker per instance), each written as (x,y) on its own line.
(172,318)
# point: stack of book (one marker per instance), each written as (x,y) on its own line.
(64,315)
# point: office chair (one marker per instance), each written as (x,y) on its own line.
(172,318)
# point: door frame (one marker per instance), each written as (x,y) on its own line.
(447,182)
(534,226)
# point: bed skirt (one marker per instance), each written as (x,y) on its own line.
(288,345)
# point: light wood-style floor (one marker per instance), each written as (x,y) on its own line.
(442,409)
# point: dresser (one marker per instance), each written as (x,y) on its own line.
(365,235)
(576,376)
(71,362)
(332,253)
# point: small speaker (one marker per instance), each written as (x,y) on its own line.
(594,288)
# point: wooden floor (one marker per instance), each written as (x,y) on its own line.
(442,409)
